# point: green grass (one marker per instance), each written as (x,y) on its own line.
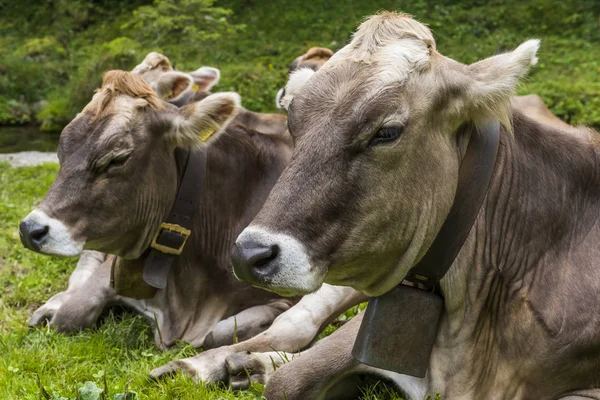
(120,350)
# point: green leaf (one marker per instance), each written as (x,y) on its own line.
(126,396)
(89,391)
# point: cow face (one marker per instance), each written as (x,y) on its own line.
(375,167)
(118,173)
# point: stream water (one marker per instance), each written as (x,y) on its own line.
(26,138)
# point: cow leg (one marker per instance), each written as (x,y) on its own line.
(245,324)
(291,331)
(246,368)
(86,296)
(329,371)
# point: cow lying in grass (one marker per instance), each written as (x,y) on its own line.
(121,160)
(520,318)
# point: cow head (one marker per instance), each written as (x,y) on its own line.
(174,86)
(314,59)
(118,173)
(375,168)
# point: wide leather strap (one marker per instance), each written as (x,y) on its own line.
(474,178)
(172,235)
(399,328)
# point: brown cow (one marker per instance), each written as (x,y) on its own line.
(373,177)
(232,363)
(119,174)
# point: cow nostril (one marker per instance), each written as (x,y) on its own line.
(38,233)
(254,261)
(267,256)
(33,235)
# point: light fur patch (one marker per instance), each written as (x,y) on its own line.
(396,61)
(296,82)
(295,274)
(59,240)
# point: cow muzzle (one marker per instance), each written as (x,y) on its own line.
(46,235)
(275,262)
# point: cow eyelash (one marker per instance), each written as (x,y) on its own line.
(113,163)
(386,134)
(118,161)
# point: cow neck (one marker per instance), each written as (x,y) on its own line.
(172,235)
(474,179)
(412,315)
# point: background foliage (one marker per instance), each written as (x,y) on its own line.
(54,52)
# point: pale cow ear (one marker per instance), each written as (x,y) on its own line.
(494,79)
(296,82)
(202,121)
(206,77)
(172,85)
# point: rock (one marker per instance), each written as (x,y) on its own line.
(28,158)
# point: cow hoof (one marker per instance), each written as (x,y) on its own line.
(47,312)
(207,367)
(173,368)
(247,368)
(41,316)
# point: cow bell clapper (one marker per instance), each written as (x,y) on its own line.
(399,328)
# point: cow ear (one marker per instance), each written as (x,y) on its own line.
(494,79)
(318,52)
(202,121)
(296,82)
(206,77)
(172,85)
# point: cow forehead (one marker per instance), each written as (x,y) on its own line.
(354,90)
(384,52)
(120,117)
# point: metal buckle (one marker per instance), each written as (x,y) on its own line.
(173,228)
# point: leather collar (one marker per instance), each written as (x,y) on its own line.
(411,315)
(172,235)
(474,179)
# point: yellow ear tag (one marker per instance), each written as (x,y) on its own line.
(205,134)
(195,87)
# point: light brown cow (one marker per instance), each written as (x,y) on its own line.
(121,161)
(233,363)
(373,177)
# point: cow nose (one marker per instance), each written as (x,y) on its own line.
(33,235)
(253,262)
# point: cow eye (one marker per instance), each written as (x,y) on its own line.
(385,135)
(117,162)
